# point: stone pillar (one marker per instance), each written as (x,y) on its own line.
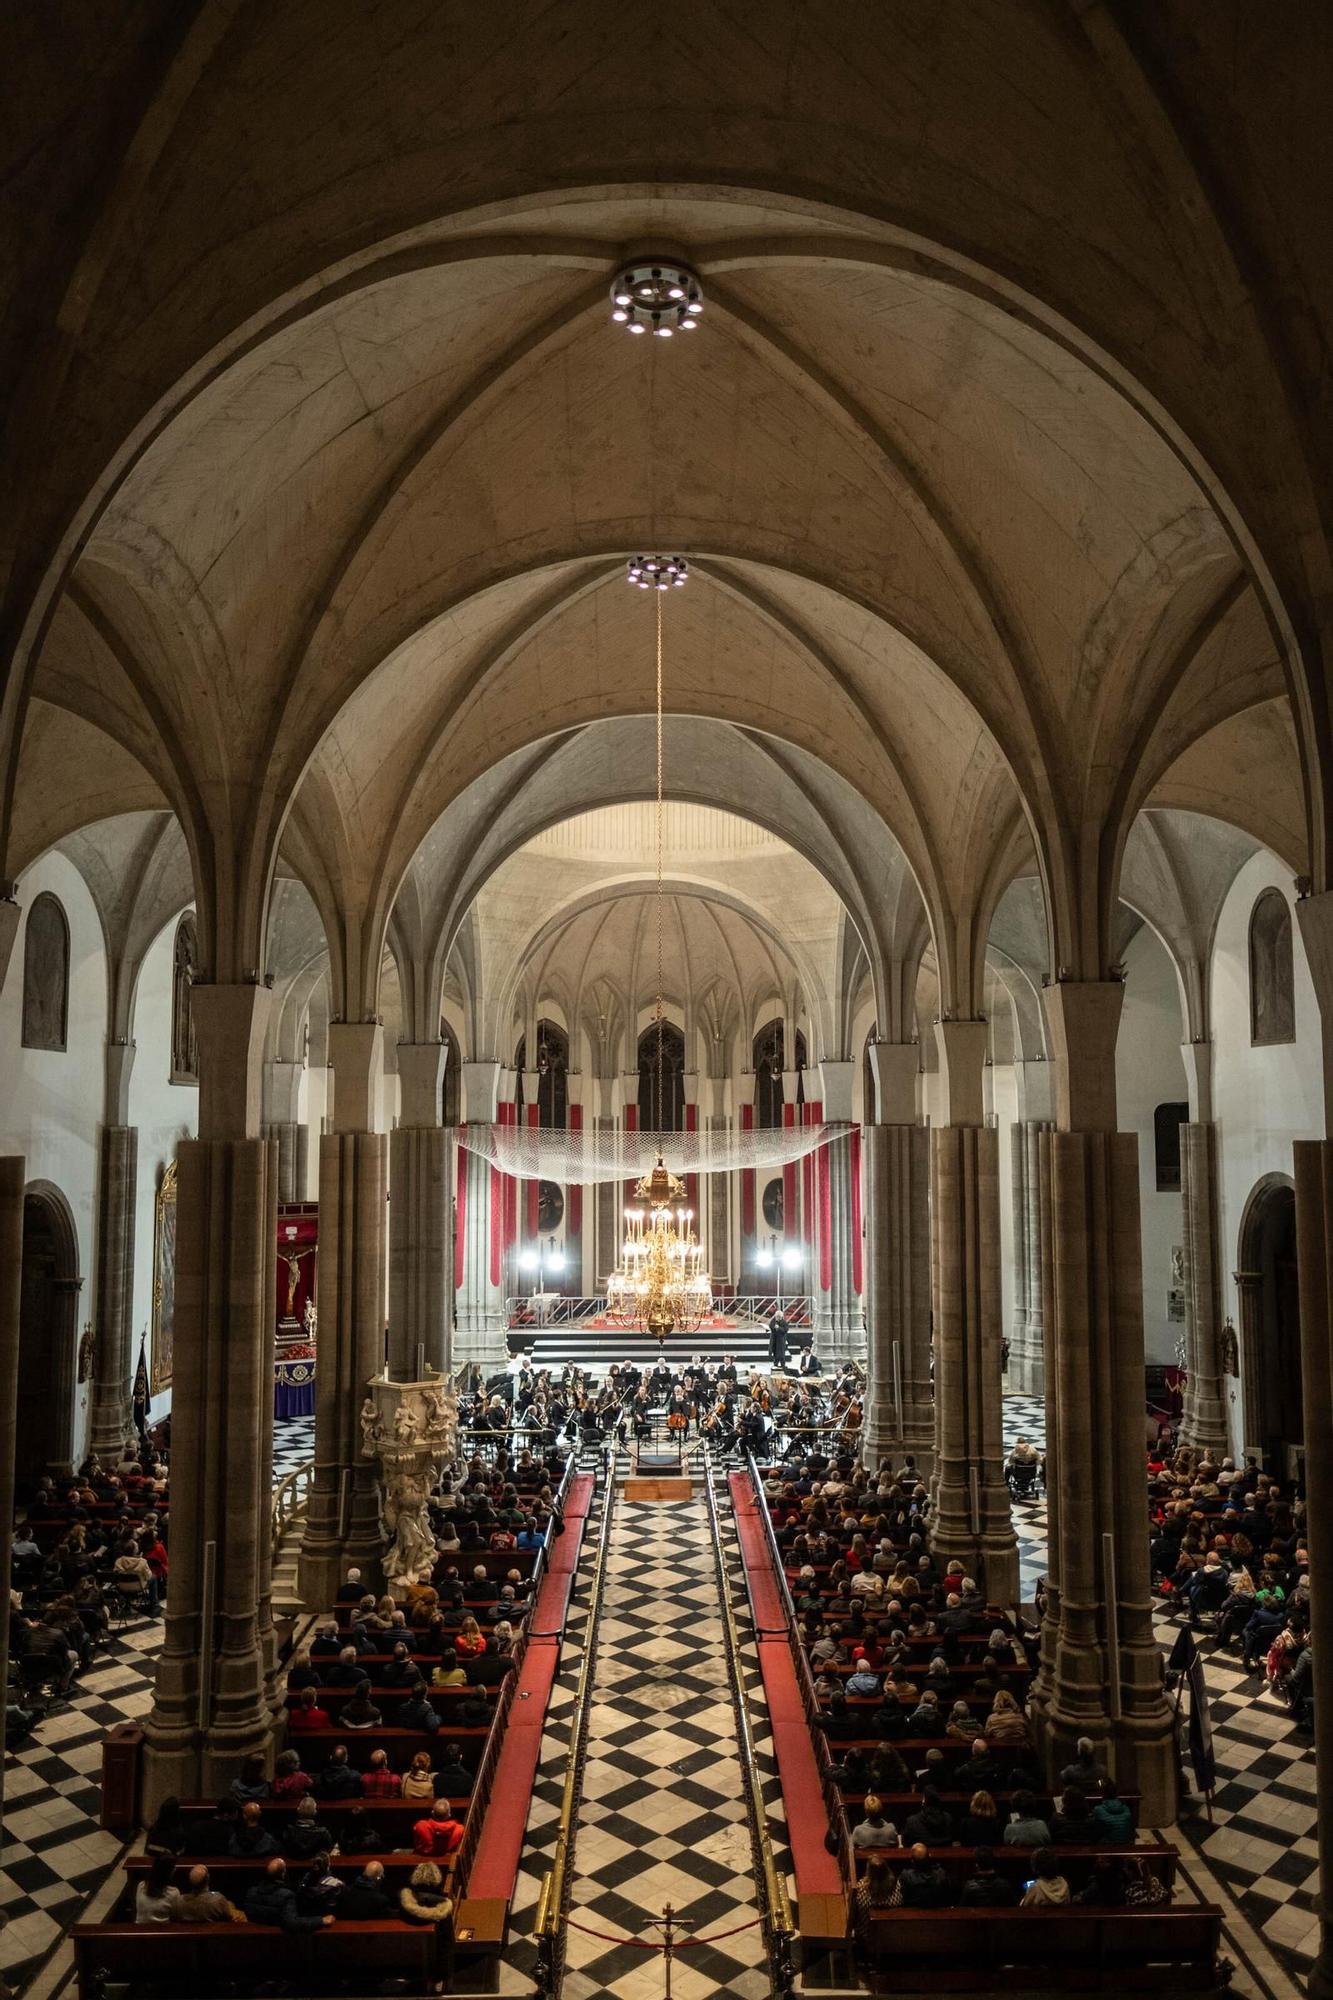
(971,1513)
(1204,1418)
(606,1231)
(282,1121)
(480,1328)
(342,1522)
(718,1185)
(111,1418)
(1314,1261)
(1101,1667)
(842,1329)
(213,1699)
(421,1237)
(899,1412)
(1032,1230)
(13,1173)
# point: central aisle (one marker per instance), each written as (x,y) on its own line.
(663,1816)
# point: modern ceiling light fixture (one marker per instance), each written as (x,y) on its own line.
(661,297)
(657,572)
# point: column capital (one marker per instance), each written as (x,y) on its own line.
(835,1087)
(420,1082)
(1198,1060)
(229,1025)
(896,1068)
(481,1091)
(962,1047)
(1083,1020)
(356,1057)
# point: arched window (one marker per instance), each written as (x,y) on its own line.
(45,975)
(769,1063)
(1272,980)
(552,1076)
(668,1115)
(184,1049)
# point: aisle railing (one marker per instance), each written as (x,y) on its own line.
(291,1497)
(549,1927)
(775,1903)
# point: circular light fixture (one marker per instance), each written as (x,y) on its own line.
(661,298)
(657,572)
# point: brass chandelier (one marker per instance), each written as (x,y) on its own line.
(660,1283)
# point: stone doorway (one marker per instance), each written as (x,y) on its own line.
(1271,1326)
(48,1335)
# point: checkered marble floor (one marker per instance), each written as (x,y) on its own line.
(663,1813)
(54,1855)
(1260,1846)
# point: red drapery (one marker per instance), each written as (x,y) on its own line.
(791,1220)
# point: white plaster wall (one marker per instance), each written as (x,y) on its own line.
(165,1113)
(1263,1098)
(51,1100)
(1149,1072)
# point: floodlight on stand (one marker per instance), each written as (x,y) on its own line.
(656,295)
(791,1258)
(763,1258)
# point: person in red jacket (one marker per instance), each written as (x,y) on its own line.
(439,1835)
(308,1715)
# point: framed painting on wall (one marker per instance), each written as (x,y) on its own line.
(164,1280)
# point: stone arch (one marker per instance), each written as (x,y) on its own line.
(48,1334)
(1270,1324)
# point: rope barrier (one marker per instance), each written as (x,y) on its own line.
(677,1944)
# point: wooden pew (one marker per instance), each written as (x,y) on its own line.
(1054,1950)
(198,1958)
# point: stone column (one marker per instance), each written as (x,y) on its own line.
(1101,1669)
(606,1196)
(342,1523)
(282,1121)
(213,1699)
(480,1328)
(899,1411)
(421,1237)
(1204,1418)
(1314,1259)
(111,1418)
(842,1332)
(718,1185)
(971,1513)
(13,1174)
(1032,1230)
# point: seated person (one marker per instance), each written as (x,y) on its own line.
(201,1903)
(1026,1827)
(336,1778)
(932,1824)
(359,1711)
(986,1888)
(306,1836)
(874,1830)
(1112,1820)
(401,1670)
(307,1714)
(1048,1887)
(923,1884)
(270,1901)
(1071,1822)
(378,1780)
(439,1834)
(156,1900)
(453,1779)
(319,1891)
(366,1898)
(449,1674)
(416,1712)
(250,1838)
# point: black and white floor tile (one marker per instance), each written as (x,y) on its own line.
(1260,1844)
(663,1815)
(54,1854)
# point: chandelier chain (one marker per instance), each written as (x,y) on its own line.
(661,1004)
